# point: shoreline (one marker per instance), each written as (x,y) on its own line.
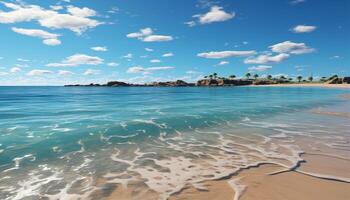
(322,85)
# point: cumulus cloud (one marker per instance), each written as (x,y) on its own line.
(90,72)
(149,49)
(225,54)
(99,48)
(260,68)
(76,60)
(141,33)
(216,14)
(39,72)
(64,73)
(168,55)
(75,19)
(291,48)
(48,38)
(264,59)
(15,70)
(303,29)
(146,35)
(139,69)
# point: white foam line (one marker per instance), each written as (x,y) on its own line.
(239,189)
(325,176)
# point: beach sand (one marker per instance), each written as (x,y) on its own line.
(323,85)
(312,180)
(257,184)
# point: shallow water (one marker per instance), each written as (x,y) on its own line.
(68,143)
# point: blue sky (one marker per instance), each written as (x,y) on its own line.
(82,41)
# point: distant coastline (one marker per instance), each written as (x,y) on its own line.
(214,81)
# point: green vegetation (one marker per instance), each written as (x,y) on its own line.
(269,79)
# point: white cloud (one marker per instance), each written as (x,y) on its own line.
(294,2)
(75,19)
(90,72)
(38,72)
(22,60)
(52,42)
(56,7)
(225,54)
(291,48)
(224,63)
(335,57)
(190,23)
(15,69)
(168,55)
(260,68)
(64,73)
(99,48)
(264,59)
(128,56)
(157,38)
(141,33)
(48,38)
(113,10)
(216,14)
(304,29)
(145,35)
(193,72)
(3,73)
(112,64)
(149,49)
(155,61)
(76,60)
(139,69)
(81,12)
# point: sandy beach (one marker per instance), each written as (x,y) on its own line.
(322,174)
(311,181)
(345,86)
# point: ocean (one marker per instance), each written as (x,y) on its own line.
(84,142)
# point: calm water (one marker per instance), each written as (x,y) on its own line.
(58,142)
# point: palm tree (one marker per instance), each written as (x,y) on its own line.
(269,77)
(299,78)
(247,75)
(232,76)
(255,76)
(310,78)
(282,77)
(323,79)
(215,75)
(210,76)
(205,77)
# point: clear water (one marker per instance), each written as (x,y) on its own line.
(70,142)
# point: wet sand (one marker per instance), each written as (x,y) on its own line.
(314,179)
(323,85)
(258,184)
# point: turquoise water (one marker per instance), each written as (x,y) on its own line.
(57,142)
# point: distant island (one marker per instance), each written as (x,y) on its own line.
(215,80)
